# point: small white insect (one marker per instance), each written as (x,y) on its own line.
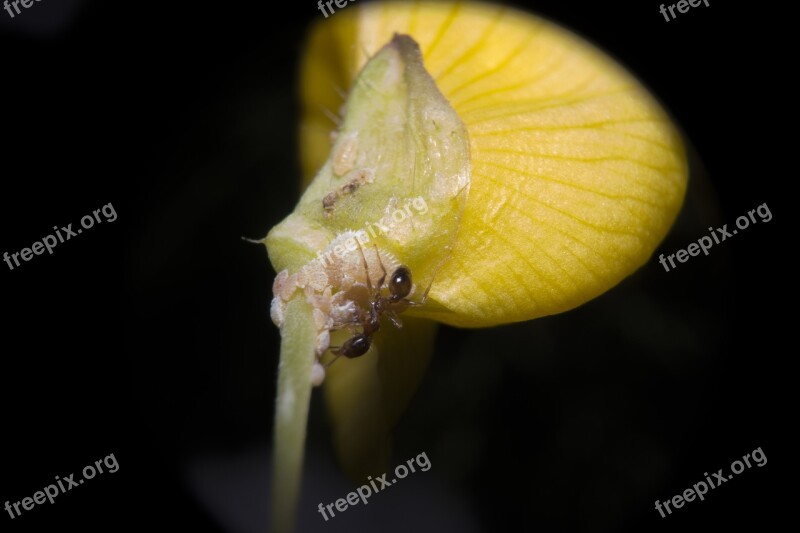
(344,158)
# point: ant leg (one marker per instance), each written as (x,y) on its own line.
(337,352)
(409,303)
(329,363)
(393,318)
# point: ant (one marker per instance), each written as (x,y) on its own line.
(400,286)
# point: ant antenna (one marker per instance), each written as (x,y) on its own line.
(366,267)
(380,262)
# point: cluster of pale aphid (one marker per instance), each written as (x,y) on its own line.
(353,291)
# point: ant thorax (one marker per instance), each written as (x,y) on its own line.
(341,284)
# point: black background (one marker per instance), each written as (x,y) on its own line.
(150,337)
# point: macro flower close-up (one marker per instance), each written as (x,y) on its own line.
(547,174)
(387,265)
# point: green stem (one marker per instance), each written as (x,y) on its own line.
(298,339)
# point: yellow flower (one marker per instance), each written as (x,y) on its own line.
(548,174)
(577,173)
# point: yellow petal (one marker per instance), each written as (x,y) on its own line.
(577,173)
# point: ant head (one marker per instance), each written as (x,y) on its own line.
(400,283)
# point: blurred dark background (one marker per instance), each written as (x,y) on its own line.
(150,337)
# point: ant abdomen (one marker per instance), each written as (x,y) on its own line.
(355,346)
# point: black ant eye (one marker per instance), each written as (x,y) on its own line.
(400,284)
